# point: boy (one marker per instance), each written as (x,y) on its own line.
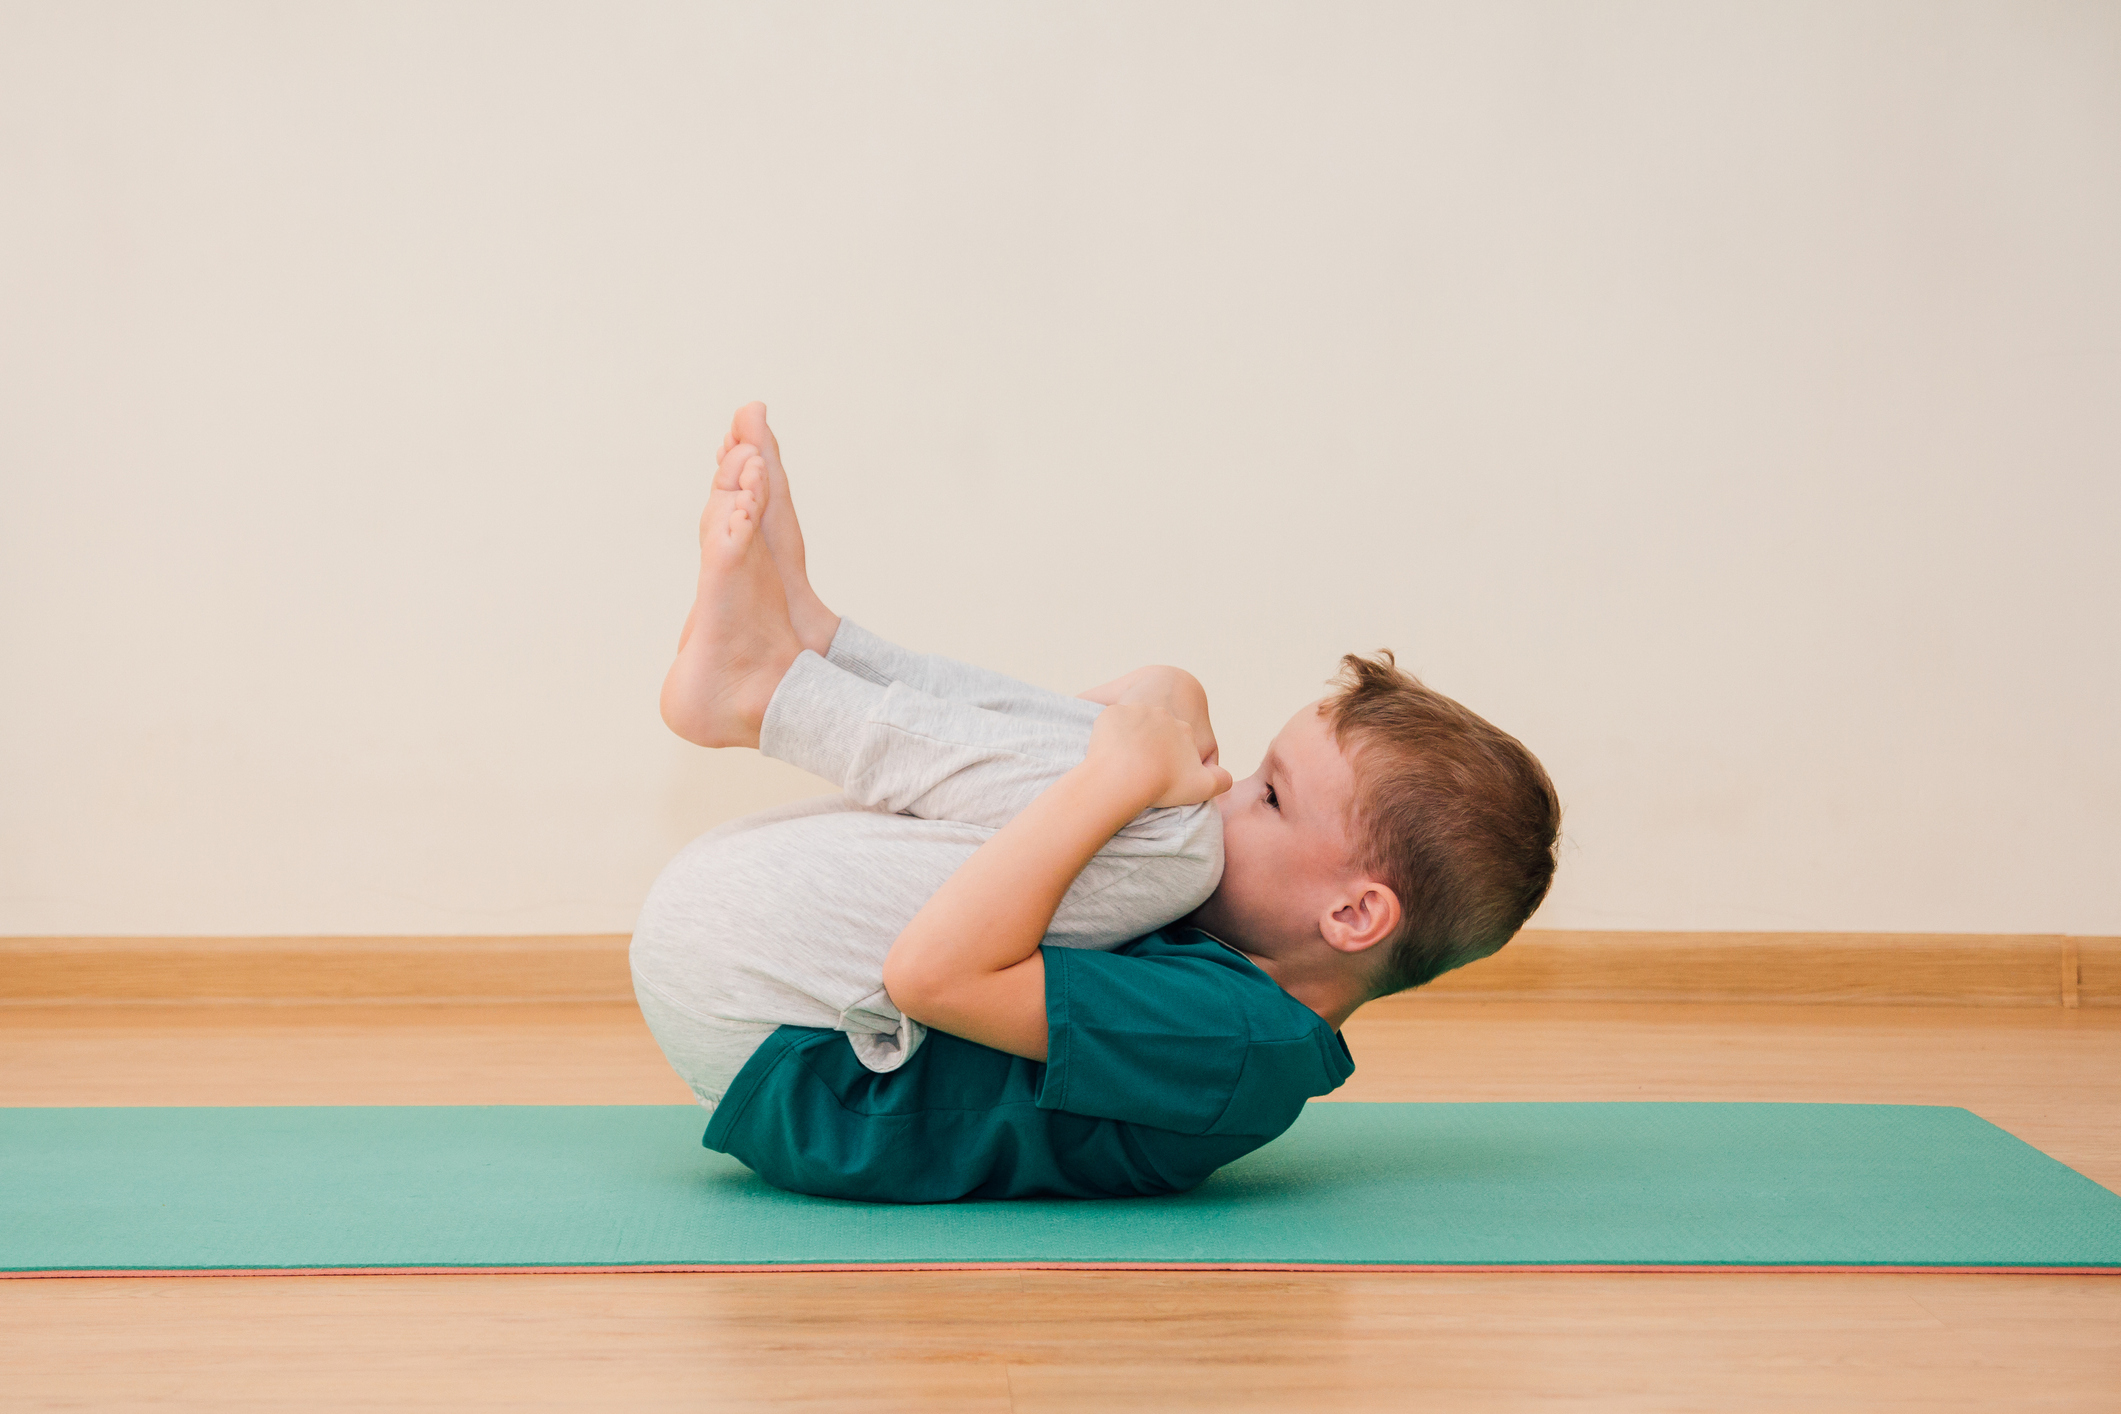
(1001,869)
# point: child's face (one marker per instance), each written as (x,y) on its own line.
(1287,848)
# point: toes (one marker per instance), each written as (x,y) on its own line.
(737,423)
(737,523)
(749,419)
(752,479)
(744,504)
(728,471)
(750,426)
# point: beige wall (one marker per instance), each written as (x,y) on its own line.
(1724,398)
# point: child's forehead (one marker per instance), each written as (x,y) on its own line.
(1311,726)
(1308,741)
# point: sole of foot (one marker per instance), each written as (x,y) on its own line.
(738,640)
(814,623)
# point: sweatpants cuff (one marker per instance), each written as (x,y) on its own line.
(815,717)
(858,651)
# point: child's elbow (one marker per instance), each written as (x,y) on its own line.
(911,985)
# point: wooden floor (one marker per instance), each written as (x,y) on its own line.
(1086,1341)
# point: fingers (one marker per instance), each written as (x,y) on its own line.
(1161,744)
(1194,787)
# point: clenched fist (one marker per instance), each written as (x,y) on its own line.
(1158,750)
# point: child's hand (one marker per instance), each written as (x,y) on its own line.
(1174,690)
(1159,750)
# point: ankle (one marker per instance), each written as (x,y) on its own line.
(750,696)
(725,708)
(815,625)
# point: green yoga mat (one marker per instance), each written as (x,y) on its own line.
(1361,1185)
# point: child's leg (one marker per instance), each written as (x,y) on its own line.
(786,918)
(743,677)
(867,656)
(900,750)
(894,746)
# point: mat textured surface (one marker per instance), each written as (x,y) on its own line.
(1379,1185)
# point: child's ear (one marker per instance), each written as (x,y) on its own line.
(1363,917)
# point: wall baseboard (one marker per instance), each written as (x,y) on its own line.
(569,968)
(1875,969)
(1871,969)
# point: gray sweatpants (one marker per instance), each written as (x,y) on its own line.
(784,917)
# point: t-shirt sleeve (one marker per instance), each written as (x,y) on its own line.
(1158,1040)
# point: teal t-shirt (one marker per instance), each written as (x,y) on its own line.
(1166,1058)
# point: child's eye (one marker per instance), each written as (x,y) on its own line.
(1273,801)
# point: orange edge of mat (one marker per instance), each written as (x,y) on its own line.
(739,1269)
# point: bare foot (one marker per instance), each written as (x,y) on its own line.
(814,623)
(738,641)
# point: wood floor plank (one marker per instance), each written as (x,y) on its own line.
(1067,1341)
(458,1342)
(515,1054)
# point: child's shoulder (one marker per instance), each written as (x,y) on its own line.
(1188,961)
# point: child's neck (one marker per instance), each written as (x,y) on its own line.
(1323,984)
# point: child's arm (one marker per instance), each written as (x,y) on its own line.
(969,962)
